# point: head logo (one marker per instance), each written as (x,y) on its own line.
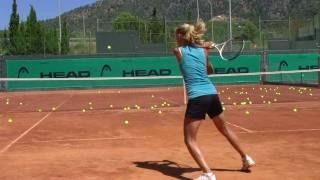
(105,68)
(22,70)
(283,64)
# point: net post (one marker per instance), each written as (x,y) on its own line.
(2,73)
(264,66)
(319,71)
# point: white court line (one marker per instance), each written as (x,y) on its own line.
(240,127)
(285,131)
(170,101)
(32,127)
(93,139)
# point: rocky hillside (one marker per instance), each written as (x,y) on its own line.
(106,10)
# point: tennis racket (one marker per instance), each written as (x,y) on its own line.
(230,49)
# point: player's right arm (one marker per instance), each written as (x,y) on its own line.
(209,65)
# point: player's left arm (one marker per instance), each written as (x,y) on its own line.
(177,53)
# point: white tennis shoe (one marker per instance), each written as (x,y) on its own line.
(206,176)
(247,162)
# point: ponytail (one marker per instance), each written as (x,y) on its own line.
(192,34)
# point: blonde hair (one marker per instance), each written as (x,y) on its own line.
(192,34)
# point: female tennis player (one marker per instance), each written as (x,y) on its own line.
(192,56)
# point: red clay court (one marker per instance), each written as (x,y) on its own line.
(131,134)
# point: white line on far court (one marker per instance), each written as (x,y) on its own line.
(168,100)
(93,139)
(32,127)
(285,131)
(240,127)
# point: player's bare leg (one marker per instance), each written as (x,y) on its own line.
(191,128)
(220,123)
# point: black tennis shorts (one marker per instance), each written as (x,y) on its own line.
(198,107)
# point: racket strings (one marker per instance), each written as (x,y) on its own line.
(232,49)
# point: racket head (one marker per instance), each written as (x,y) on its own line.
(230,49)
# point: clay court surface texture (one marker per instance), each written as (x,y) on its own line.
(137,134)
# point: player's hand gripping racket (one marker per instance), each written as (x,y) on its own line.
(230,49)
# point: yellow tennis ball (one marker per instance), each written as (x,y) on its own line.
(39,110)
(126,122)
(295,110)
(20,103)
(247,112)
(83,110)
(111,106)
(53,109)
(10,120)
(160,112)
(90,103)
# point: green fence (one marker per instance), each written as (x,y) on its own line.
(164,66)
(87,67)
(243,64)
(290,62)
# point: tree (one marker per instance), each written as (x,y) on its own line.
(156,28)
(5,43)
(125,22)
(13,28)
(21,38)
(51,41)
(246,30)
(34,35)
(65,38)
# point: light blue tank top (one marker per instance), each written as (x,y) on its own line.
(194,72)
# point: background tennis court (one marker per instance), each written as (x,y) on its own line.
(48,135)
